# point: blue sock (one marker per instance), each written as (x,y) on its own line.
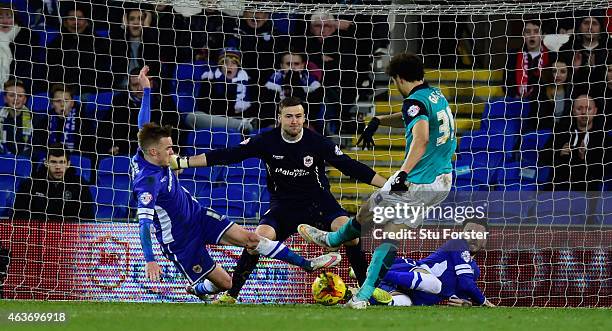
(382,260)
(205,287)
(279,251)
(347,232)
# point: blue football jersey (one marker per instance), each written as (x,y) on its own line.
(452,263)
(161,198)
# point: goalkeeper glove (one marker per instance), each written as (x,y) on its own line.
(177,162)
(398,182)
(367,136)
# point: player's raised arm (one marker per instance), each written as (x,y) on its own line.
(348,166)
(144,115)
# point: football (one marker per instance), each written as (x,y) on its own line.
(328,289)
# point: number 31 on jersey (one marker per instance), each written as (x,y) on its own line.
(447,126)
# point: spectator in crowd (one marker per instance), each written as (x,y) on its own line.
(225,97)
(258,41)
(77,57)
(293,79)
(45,14)
(332,57)
(18,48)
(606,94)
(524,67)
(553,106)
(54,192)
(579,154)
(16,120)
(117,133)
(588,50)
(134,45)
(65,125)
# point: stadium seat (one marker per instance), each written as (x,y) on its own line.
(476,171)
(506,108)
(234,201)
(501,125)
(110,203)
(515,176)
(188,77)
(39,103)
(82,166)
(12,171)
(530,145)
(482,141)
(214,138)
(185,103)
(250,171)
(114,172)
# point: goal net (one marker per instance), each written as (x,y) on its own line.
(528,83)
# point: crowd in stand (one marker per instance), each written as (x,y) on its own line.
(250,63)
(569,93)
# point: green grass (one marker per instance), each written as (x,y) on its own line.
(167,317)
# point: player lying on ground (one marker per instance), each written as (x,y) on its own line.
(448,273)
(424,179)
(182,226)
(295,159)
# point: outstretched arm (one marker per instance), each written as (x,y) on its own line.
(144,115)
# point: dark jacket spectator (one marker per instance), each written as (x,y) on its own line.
(524,66)
(118,133)
(134,45)
(554,103)
(579,154)
(54,192)
(77,57)
(254,35)
(587,50)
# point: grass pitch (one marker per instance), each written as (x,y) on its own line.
(167,317)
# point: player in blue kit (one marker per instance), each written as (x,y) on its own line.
(448,273)
(424,179)
(295,159)
(182,225)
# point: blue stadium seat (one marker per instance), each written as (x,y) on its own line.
(250,171)
(234,201)
(476,171)
(114,172)
(188,77)
(110,203)
(39,103)
(530,145)
(515,176)
(501,125)
(506,108)
(12,171)
(185,103)
(482,141)
(97,105)
(214,138)
(82,166)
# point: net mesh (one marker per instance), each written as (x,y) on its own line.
(529,85)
